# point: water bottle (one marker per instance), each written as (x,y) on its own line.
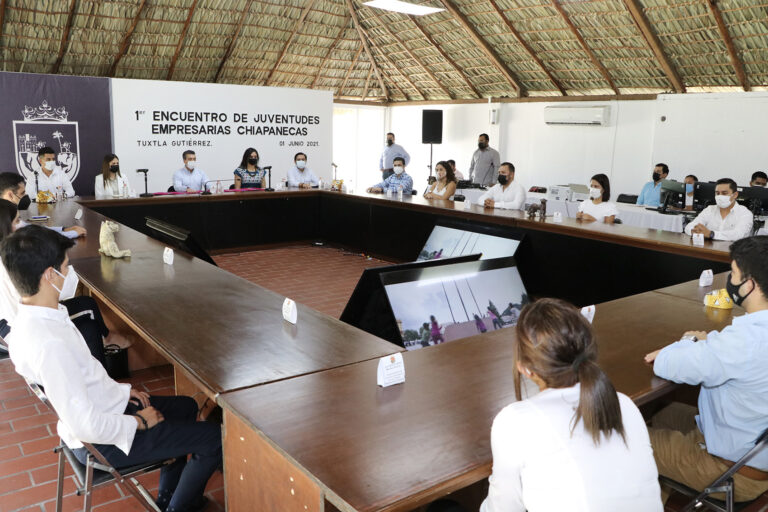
(320,183)
(400,193)
(125,191)
(389,193)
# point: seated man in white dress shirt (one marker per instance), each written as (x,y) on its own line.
(726,220)
(126,425)
(300,175)
(51,178)
(190,178)
(507,193)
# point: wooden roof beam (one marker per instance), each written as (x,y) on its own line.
(64,36)
(738,67)
(653,41)
(181,40)
(232,41)
(296,28)
(126,39)
(330,51)
(595,61)
(484,46)
(407,79)
(414,58)
(361,34)
(2,17)
(527,47)
(349,72)
(445,56)
(367,82)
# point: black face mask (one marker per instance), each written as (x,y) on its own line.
(502,180)
(482,145)
(253,161)
(114,168)
(656,176)
(24,202)
(733,290)
(390,142)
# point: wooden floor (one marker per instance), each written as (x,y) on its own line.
(320,277)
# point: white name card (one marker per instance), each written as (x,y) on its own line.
(557,217)
(706,278)
(698,239)
(588,312)
(391,370)
(290,313)
(168,256)
(79,214)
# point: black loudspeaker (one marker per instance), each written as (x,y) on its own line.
(431,126)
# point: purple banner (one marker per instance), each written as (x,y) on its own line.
(71,114)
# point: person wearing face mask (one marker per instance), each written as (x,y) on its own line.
(190,178)
(690,184)
(651,193)
(128,427)
(249,174)
(597,208)
(759,179)
(13,189)
(300,175)
(400,179)
(111,182)
(390,152)
(694,446)
(485,162)
(507,193)
(50,178)
(445,185)
(726,220)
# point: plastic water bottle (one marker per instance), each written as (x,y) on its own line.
(320,183)
(389,193)
(400,193)
(125,191)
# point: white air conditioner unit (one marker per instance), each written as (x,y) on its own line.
(597,116)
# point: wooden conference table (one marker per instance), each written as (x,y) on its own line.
(305,423)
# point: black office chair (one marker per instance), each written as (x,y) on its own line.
(97,472)
(722,484)
(4,330)
(627,198)
(171,189)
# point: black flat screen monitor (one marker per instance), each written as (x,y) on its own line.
(703,194)
(368,309)
(450,239)
(672,194)
(750,194)
(178,238)
(436,305)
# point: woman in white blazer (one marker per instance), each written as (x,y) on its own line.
(111,183)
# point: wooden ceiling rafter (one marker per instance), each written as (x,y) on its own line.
(233,41)
(64,35)
(125,43)
(328,54)
(655,45)
(362,35)
(181,40)
(506,72)
(738,66)
(2,18)
(367,83)
(527,47)
(349,72)
(584,46)
(299,24)
(400,72)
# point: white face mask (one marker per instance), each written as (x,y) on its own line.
(594,192)
(69,287)
(723,201)
(301,164)
(191,165)
(50,165)
(399,170)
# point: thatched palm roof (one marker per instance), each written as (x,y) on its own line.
(474,49)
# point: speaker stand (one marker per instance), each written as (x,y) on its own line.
(429,180)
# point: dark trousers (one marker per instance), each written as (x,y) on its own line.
(91,325)
(182,483)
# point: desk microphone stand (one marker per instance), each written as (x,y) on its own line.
(269,188)
(146,188)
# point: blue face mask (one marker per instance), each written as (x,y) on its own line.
(688,188)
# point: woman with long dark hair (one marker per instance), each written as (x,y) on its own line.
(445,185)
(249,174)
(577,445)
(111,182)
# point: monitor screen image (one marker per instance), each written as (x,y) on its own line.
(446,242)
(436,305)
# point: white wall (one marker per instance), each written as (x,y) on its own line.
(710,135)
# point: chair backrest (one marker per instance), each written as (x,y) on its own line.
(171,189)
(627,198)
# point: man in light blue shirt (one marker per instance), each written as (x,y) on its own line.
(391,150)
(732,368)
(300,175)
(399,179)
(651,193)
(189,178)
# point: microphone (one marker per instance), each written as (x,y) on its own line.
(146,189)
(206,191)
(269,168)
(334,165)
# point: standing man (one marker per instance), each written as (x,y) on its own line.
(391,150)
(759,179)
(52,179)
(726,220)
(189,178)
(651,193)
(485,162)
(507,193)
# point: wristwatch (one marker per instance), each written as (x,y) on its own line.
(712,235)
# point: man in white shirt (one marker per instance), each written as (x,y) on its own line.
(390,152)
(51,178)
(126,425)
(300,175)
(726,220)
(507,193)
(189,178)
(485,162)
